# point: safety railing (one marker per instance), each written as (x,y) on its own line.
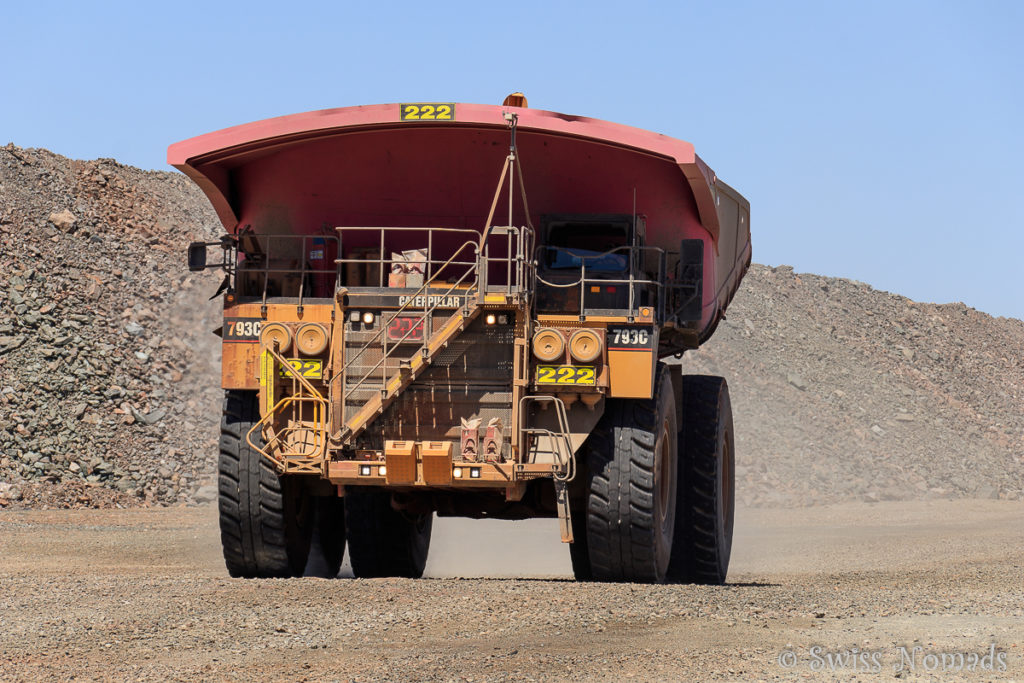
(295,266)
(643,270)
(558,441)
(464,283)
(638,277)
(299,443)
(400,240)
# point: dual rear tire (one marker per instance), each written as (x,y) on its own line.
(630,503)
(275,527)
(707,493)
(383,541)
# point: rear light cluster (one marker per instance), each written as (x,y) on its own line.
(366,317)
(496,319)
(382,470)
(310,339)
(549,345)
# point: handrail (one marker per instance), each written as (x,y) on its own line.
(321,418)
(427,311)
(381,260)
(481,262)
(302,270)
(471,285)
(565,460)
(412,297)
(632,281)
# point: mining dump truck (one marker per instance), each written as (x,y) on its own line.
(438,308)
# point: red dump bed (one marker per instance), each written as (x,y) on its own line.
(366,166)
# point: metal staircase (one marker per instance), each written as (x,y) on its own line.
(408,368)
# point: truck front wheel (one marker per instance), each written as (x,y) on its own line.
(631,488)
(266,521)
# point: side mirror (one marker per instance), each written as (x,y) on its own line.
(197,256)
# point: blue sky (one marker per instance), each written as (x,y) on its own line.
(880,141)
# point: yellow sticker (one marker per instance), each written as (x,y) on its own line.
(308,368)
(266,375)
(428,111)
(566,374)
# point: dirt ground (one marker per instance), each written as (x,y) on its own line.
(848,592)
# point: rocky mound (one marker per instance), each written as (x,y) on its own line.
(109,376)
(843,392)
(105,353)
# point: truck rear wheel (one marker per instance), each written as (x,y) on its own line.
(579,550)
(383,541)
(327,549)
(703,534)
(631,488)
(266,521)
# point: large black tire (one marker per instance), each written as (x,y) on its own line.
(703,540)
(327,549)
(631,485)
(383,541)
(579,549)
(266,521)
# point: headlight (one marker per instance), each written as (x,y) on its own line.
(311,339)
(548,344)
(276,332)
(585,345)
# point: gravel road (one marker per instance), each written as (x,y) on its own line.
(142,594)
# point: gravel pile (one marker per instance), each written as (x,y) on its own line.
(106,356)
(842,392)
(109,376)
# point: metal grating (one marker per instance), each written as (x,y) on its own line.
(470,379)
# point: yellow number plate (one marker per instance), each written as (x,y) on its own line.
(310,369)
(566,374)
(428,111)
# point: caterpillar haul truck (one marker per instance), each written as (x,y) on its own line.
(451,309)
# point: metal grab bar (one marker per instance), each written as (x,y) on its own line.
(309,460)
(560,441)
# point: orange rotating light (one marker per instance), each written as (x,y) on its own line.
(585,345)
(548,344)
(311,339)
(276,332)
